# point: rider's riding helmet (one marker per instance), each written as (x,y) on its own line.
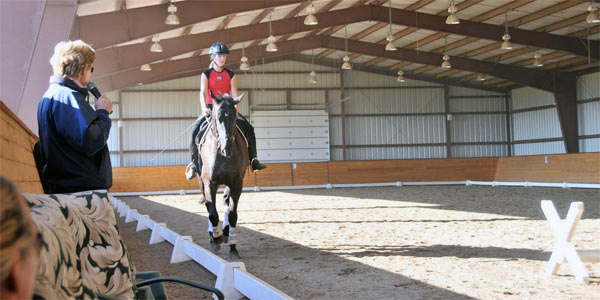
(218,48)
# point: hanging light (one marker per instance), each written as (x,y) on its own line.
(172,18)
(244,66)
(480,77)
(446,62)
(310,19)
(156,47)
(537,59)
(506,45)
(592,17)
(271,47)
(446,59)
(145,68)
(452,19)
(346,65)
(400,76)
(390,38)
(312,76)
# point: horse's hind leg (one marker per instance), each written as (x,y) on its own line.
(216,235)
(231,214)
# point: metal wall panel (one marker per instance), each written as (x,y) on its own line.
(477,104)
(376,101)
(356,78)
(302,100)
(115,159)
(463,91)
(335,130)
(160,104)
(156,135)
(589,118)
(530,97)
(536,124)
(268,100)
(589,145)
(395,153)
(539,148)
(334,97)
(478,128)
(192,82)
(479,151)
(395,130)
(588,86)
(156,159)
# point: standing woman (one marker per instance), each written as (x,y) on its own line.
(73,135)
(218,80)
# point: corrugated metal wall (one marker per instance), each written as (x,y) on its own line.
(381,118)
(544,123)
(477,117)
(588,88)
(536,124)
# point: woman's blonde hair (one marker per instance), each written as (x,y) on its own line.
(71,57)
(212,61)
(16,232)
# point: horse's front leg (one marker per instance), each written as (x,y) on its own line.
(231,215)
(216,235)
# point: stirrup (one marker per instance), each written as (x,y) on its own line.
(190,171)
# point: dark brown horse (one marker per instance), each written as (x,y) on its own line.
(224,154)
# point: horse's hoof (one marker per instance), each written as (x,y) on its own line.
(214,247)
(234,255)
(215,243)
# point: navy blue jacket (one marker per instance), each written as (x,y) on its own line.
(73,138)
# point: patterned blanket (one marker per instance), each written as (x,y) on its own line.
(83,253)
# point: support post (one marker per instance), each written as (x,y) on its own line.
(565,96)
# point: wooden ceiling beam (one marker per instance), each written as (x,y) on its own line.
(109,29)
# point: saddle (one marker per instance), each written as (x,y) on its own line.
(199,139)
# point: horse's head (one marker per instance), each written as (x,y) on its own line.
(224,115)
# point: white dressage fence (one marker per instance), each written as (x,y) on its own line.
(232,278)
(395,183)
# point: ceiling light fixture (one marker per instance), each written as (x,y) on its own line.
(271,47)
(145,68)
(346,65)
(244,66)
(537,59)
(310,19)
(506,45)
(312,76)
(172,18)
(592,17)
(156,47)
(446,59)
(390,38)
(400,76)
(452,19)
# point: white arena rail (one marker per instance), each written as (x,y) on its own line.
(232,278)
(395,183)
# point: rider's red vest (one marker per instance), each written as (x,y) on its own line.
(218,83)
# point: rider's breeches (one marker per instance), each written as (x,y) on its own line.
(248,131)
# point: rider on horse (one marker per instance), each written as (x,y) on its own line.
(218,80)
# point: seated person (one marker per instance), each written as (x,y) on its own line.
(20,244)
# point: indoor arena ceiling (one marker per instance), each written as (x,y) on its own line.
(557,32)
